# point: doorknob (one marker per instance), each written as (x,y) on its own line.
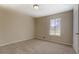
(77,33)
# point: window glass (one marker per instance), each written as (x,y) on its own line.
(55,26)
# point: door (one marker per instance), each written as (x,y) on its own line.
(75,29)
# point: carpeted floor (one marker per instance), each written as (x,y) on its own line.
(36,46)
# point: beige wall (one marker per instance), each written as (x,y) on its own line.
(43,25)
(15,26)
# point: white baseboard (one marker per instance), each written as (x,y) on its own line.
(12,42)
(57,42)
(64,43)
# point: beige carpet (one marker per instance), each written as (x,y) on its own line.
(36,46)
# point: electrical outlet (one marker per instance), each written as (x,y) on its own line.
(44,37)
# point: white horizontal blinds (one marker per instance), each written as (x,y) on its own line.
(55,26)
(52,27)
(58,24)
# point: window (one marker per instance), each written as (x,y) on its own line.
(55,25)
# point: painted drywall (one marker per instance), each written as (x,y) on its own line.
(15,26)
(43,27)
(76,28)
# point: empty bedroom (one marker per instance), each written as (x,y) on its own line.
(39,29)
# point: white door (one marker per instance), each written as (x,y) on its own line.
(75,29)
